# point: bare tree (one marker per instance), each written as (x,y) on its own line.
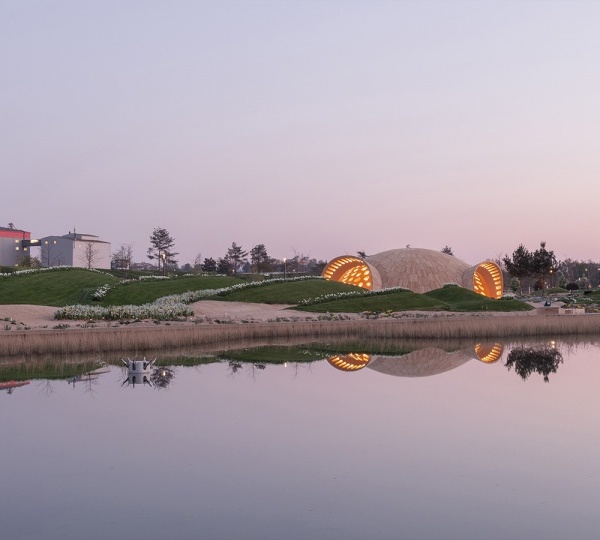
(123,257)
(198,262)
(89,255)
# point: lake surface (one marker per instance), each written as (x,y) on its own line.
(426,445)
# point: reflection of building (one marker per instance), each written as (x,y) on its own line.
(419,270)
(420,363)
(74,249)
(9,386)
(350,361)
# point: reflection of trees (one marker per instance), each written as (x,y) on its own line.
(526,360)
(234,367)
(46,388)
(161,377)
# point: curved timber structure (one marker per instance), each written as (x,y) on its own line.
(419,270)
(420,363)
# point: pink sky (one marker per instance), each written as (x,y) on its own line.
(316,127)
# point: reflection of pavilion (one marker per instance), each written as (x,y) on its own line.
(420,363)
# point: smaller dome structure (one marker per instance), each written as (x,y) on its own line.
(418,270)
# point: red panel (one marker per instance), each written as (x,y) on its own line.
(21,235)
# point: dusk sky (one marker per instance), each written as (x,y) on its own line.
(321,127)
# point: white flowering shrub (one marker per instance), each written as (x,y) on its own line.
(165,308)
(100,292)
(49,269)
(352,294)
(166,311)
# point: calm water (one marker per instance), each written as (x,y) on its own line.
(431,445)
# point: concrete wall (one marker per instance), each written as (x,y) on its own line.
(70,250)
(11,250)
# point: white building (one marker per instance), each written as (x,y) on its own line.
(14,245)
(74,249)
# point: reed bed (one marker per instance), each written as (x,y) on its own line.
(32,343)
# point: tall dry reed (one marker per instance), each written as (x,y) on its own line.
(33,343)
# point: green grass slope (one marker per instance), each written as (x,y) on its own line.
(396,301)
(143,292)
(288,292)
(445,299)
(56,288)
(459,299)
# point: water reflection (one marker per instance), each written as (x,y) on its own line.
(423,362)
(145,373)
(527,360)
(9,386)
(90,376)
(411,359)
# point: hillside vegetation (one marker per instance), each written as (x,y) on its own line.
(288,292)
(144,292)
(76,286)
(446,299)
(55,288)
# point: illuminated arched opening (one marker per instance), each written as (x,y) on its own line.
(350,362)
(489,352)
(487,280)
(350,270)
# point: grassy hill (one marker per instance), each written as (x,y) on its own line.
(289,292)
(55,288)
(445,299)
(76,286)
(143,292)
(459,299)
(394,301)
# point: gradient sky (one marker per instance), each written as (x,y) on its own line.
(322,127)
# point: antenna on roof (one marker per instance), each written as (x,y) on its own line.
(11,226)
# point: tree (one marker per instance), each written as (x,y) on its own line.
(51,254)
(161,249)
(123,257)
(30,262)
(236,256)
(209,265)
(515,284)
(526,360)
(520,265)
(259,259)
(447,250)
(224,265)
(361,254)
(198,262)
(89,255)
(543,263)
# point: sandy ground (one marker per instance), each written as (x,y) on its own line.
(24,315)
(43,316)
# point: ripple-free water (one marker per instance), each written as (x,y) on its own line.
(234,450)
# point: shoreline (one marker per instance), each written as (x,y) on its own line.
(139,339)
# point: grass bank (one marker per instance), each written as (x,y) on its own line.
(56,288)
(451,298)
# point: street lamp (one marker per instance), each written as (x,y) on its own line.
(284,268)
(164,259)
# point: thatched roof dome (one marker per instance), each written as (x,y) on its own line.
(419,270)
